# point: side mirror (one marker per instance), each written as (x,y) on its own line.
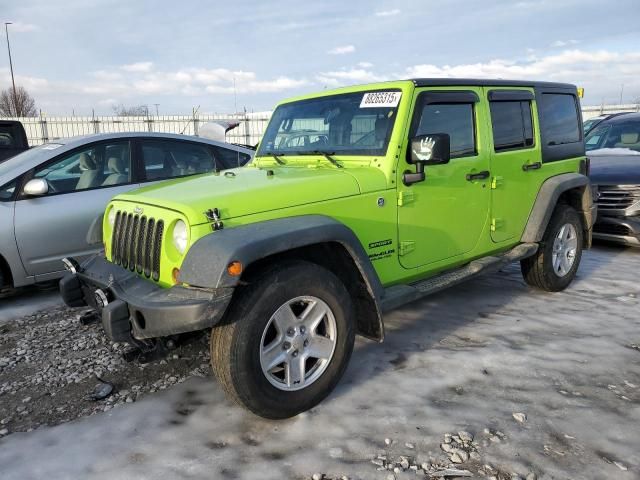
(429,149)
(36,187)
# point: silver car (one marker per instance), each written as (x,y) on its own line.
(50,195)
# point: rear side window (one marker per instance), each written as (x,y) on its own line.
(230,158)
(511,123)
(164,159)
(559,119)
(10,136)
(456,119)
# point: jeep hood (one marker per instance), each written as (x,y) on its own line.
(245,191)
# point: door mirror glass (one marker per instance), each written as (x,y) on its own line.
(430,149)
(36,187)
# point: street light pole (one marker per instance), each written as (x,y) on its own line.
(13,82)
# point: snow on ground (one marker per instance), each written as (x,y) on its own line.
(464,359)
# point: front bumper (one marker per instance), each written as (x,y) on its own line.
(138,308)
(624,230)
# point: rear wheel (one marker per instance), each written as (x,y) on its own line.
(556,262)
(286,340)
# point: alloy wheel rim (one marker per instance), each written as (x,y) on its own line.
(565,247)
(298,343)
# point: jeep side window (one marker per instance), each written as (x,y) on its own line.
(559,119)
(511,124)
(456,119)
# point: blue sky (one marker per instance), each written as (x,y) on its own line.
(75,55)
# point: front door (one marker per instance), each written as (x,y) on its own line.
(444,216)
(81,183)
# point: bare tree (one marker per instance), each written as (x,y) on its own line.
(135,111)
(20,105)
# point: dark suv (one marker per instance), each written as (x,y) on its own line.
(13,139)
(614,149)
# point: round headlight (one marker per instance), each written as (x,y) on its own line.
(180,236)
(112,217)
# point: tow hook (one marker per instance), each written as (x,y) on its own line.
(146,351)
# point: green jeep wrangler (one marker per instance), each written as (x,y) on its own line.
(360,199)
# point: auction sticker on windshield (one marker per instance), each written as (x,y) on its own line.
(380,99)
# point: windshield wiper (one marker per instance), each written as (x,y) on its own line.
(326,155)
(274,156)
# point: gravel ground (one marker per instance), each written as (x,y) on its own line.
(50,365)
(490,379)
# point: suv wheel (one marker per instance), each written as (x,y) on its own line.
(556,262)
(285,341)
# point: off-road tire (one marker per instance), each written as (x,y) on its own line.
(538,270)
(236,341)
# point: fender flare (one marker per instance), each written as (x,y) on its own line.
(205,264)
(548,197)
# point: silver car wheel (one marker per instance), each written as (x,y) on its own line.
(565,246)
(298,343)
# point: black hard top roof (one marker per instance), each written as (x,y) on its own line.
(487,82)
(622,117)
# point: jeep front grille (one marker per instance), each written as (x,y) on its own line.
(136,243)
(617,197)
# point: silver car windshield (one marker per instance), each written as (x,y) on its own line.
(351,124)
(16,164)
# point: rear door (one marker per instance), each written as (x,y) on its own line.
(81,183)
(516,166)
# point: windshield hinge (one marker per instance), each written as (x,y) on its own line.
(404,197)
(213,215)
(406,247)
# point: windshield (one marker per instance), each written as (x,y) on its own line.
(17,162)
(350,123)
(619,135)
(588,124)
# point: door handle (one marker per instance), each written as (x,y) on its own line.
(531,166)
(478,176)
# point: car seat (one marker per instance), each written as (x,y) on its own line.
(629,140)
(89,176)
(117,172)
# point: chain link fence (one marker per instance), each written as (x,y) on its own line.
(251,126)
(44,129)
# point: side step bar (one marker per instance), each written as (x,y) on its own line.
(401,294)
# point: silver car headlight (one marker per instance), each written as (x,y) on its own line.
(180,236)
(112,217)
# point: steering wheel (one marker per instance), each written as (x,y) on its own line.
(51,187)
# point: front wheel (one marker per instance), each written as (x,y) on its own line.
(286,340)
(556,262)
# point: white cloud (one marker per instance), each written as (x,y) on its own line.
(342,50)
(600,72)
(388,13)
(32,84)
(346,77)
(20,27)
(564,43)
(138,67)
(365,64)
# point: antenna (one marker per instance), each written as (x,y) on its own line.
(235,108)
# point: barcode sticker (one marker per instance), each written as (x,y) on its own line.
(380,99)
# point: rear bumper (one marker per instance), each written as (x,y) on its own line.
(624,230)
(138,308)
